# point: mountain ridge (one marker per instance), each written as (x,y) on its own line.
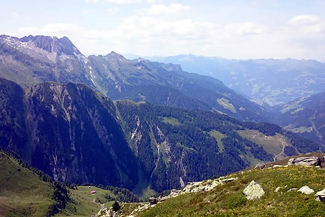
(305,117)
(35,59)
(257,78)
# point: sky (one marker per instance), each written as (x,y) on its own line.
(237,29)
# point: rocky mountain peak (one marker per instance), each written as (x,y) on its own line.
(53,44)
(117,56)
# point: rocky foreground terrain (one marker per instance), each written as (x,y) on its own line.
(272,189)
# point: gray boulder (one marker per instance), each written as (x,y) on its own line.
(260,166)
(253,191)
(306,190)
(320,195)
(305,161)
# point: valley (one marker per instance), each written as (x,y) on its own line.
(143,127)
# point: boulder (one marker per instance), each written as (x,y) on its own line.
(306,190)
(253,191)
(305,161)
(320,195)
(260,166)
(153,200)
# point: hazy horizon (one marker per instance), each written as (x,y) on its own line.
(238,30)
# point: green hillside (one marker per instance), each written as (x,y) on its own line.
(179,146)
(25,191)
(228,199)
(22,192)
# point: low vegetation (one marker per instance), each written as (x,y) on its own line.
(228,200)
(22,192)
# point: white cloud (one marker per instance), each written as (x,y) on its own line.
(159,9)
(158,35)
(308,24)
(304,20)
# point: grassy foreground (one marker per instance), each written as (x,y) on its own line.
(228,200)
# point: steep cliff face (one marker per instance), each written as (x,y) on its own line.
(13,133)
(71,134)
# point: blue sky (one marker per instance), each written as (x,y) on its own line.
(232,29)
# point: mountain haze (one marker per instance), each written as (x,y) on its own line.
(34,59)
(305,116)
(266,81)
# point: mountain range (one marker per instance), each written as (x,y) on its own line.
(268,82)
(143,125)
(33,59)
(305,116)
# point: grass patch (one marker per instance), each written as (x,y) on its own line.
(22,193)
(86,204)
(272,144)
(171,121)
(218,137)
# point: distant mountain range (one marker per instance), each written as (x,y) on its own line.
(268,82)
(33,59)
(305,116)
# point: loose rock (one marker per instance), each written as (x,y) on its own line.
(253,191)
(306,190)
(320,195)
(260,166)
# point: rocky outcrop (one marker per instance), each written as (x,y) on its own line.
(312,160)
(306,190)
(104,212)
(253,191)
(191,187)
(153,200)
(320,196)
(306,161)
